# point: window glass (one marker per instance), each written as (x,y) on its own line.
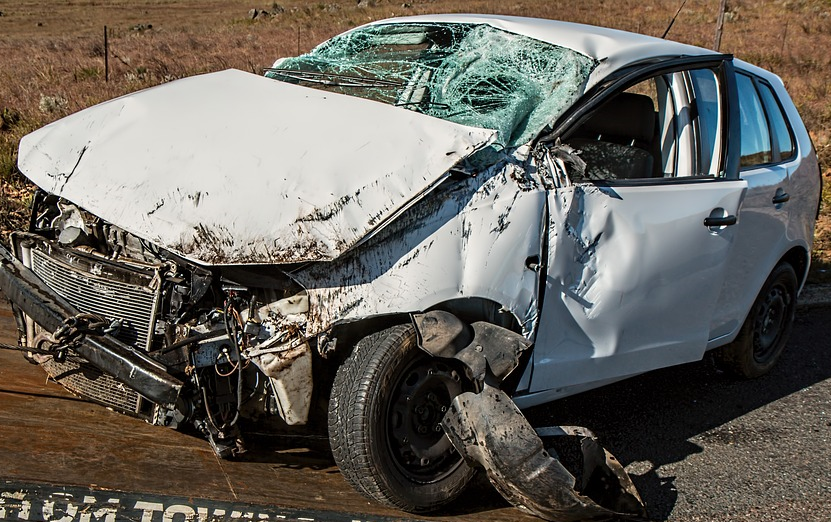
(705,87)
(756,148)
(470,74)
(781,131)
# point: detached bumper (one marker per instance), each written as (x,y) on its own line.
(30,295)
(489,431)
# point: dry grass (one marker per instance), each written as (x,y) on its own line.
(52,56)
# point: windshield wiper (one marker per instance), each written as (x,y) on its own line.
(425,103)
(333,79)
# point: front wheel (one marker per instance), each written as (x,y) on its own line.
(766,330)
(385,414)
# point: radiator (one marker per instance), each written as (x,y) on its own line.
(111,291)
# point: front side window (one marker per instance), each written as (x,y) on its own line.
(664,127)
(620,140)
(755,145)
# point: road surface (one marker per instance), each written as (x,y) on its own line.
(698,445)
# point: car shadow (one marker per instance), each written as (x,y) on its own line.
(651,418)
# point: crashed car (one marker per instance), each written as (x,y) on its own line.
(411,233)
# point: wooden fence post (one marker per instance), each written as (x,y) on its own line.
(720,25)
(106,57)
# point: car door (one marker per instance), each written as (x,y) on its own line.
(638,240)
(767,154)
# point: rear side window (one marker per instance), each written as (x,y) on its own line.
(756,146)
(783,137)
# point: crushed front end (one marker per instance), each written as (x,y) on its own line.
(143,331)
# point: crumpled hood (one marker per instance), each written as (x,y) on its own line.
(231,167)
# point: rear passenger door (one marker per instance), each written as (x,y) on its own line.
(767,153)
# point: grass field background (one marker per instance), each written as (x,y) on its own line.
(52,54)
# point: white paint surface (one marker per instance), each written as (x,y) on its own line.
(232,167)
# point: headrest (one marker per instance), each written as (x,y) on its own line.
(627,114)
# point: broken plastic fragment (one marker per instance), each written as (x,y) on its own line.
(484,348)
(489,430)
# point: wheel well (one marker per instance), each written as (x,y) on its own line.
(348,334)
(798,258)
(468,310)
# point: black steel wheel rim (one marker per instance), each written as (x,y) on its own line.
(770,324)
(422,394)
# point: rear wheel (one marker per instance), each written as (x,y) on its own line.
(766,330)
(385,410)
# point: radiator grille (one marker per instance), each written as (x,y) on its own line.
(134,305)
(85,380)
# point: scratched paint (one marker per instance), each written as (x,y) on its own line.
(279,174)
(471,238)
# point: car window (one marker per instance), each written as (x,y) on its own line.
(707,121)
(783,136)
(755,145)
(666,126)
(470,74)
(619,140)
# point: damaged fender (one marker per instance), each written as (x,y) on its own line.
(488,430)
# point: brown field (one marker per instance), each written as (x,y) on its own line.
(52,53)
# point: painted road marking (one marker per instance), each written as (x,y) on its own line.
(47,503)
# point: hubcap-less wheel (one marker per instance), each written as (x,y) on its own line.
(765,332)
(417,442)
(769,323)
(385,412)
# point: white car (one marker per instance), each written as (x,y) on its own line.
(418,210)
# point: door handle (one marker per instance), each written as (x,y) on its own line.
(725,221)
(780,197)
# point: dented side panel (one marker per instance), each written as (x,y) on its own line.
(471,238)
(633,277)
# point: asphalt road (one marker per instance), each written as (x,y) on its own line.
(699,446)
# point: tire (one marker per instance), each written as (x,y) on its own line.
(384,413)
(765,332)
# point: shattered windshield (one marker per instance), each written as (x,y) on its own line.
(470,74)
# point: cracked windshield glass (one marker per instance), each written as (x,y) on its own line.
(470,74)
